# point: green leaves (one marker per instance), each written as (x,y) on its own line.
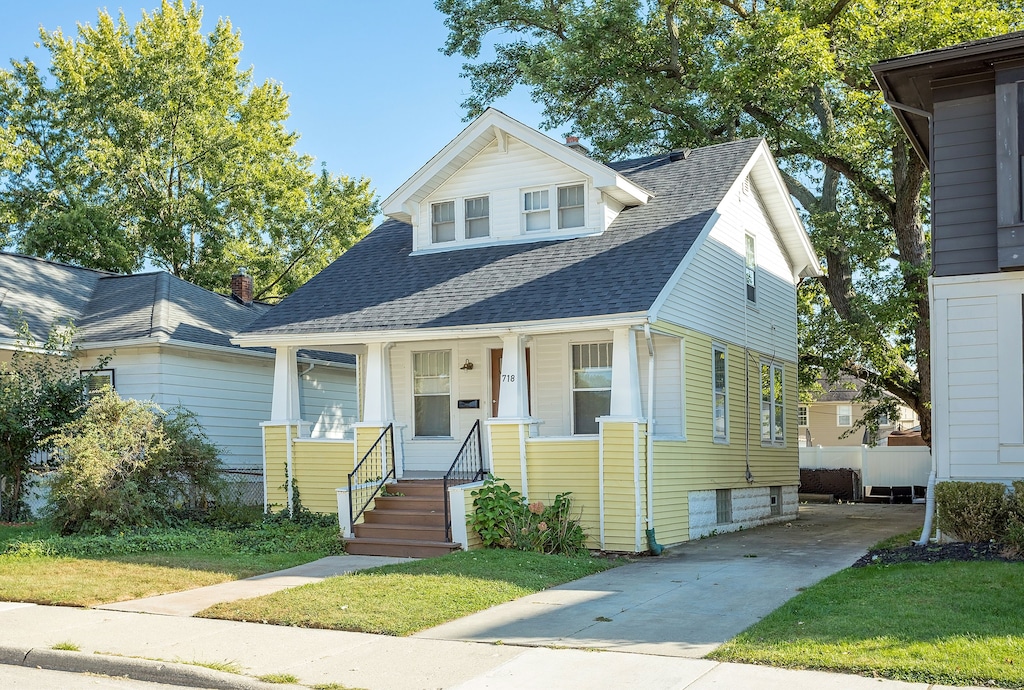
(149,144)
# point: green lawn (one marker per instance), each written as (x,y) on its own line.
(85,571)
(404,598)
(952,623)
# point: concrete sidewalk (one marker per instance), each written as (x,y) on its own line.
(357,660)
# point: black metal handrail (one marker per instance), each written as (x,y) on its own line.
(367,479)
(467,467)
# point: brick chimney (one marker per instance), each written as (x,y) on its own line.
(575,145)
(242,286)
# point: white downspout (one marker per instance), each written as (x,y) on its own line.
(650,426)
(288,479)
(929,507)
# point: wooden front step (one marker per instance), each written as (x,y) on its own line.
(410,524)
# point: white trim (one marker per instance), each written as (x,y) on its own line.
(940,380)
(682,386)
(451,396)
(1010,386)
(638,517)
(533,236)
(522,461)
(600,486)
(718,347)
(353,338)
(290,478)
(266,497)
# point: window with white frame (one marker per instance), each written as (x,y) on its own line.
(883,419)
(751,269)
(432,393)
(802,413)
(478,217)
(442,221)
(591,385)
(571,212)
(721,394)
(97,380)
(844,415)
(536,210)
(773,410)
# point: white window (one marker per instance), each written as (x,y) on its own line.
(432,393)
(883,419)
(773,410)
(844,415)
(571,207)
(536,210)
(477,217)
(751,270)
(97,380)
(802,415)
(443,221)
(591,385)
(721,394)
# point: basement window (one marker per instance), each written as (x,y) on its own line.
(723,506)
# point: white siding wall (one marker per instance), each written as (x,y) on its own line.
(502,176)
(327,397)
(230,394)
(978,383)
(711,296)
(668,387)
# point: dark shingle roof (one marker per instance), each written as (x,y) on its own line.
(377,285)
(107,307)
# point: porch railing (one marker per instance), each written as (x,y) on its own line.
(467,467)
(372,472)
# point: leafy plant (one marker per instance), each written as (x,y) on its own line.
(973,511)
(504,520)
(128,464)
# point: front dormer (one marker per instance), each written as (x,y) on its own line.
(500,182)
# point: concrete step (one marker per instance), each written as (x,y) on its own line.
(416,532)
(408,548)
(431,518)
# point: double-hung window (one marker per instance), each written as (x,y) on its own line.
(536,210)
(442,221)
(802,414)
(720,428)
(571,207)
(750,269)
(477,217)
(569,210)
(844,415)
(96,381)
(773,410)
(591,385)
(432,393)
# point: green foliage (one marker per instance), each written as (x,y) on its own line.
(149,143)
(973,511)
(638,78)
(127,463)
(503,519)
(40,390)
(1014,538)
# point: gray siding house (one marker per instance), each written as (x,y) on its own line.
(963,109)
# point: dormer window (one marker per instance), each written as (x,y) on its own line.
(443,221)
(474,221)
(477,217)
(570,212)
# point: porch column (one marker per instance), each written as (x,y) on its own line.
(625,376)
(285,405)
(377,407)
(512,400)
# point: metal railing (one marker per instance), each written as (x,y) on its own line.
(467,467)
(372,472)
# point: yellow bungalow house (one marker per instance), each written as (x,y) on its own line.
(624,331)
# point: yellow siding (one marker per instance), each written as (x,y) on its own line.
(274,450)
(555,467)
(620,507)
(366,436)
(505,457)
(321,468)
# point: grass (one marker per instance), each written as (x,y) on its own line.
(67,647)
(954,623)
(278,678)
(404,598)
(223,666)
(897,541)
(83,579)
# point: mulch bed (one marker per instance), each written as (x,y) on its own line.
(934,553)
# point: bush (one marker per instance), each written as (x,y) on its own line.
(503,519)
(973,511)
(1014,539)
(128,464)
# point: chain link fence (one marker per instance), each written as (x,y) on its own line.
(243,485)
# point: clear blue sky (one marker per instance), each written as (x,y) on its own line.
(371,94)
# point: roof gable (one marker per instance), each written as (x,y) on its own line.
(495,127)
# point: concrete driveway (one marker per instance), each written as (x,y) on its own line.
(695,596)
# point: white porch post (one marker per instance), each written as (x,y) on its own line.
(285,405)
(625,376)
(377,402)
(512,401)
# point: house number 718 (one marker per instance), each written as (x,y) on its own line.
(508,377)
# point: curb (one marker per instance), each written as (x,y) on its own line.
(145,670)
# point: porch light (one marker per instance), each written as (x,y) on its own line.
(468,366)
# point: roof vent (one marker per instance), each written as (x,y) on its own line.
(574,144)
(679,155)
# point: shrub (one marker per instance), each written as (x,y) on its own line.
(973,511)
(503,519)
(1014,539)
(128,464)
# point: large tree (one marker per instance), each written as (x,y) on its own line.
(637,77)
(148,144)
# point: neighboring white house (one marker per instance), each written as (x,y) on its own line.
(963,109)
(168,341)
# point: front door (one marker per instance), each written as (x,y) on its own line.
(496,382)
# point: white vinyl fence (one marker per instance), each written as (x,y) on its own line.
(881,466)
